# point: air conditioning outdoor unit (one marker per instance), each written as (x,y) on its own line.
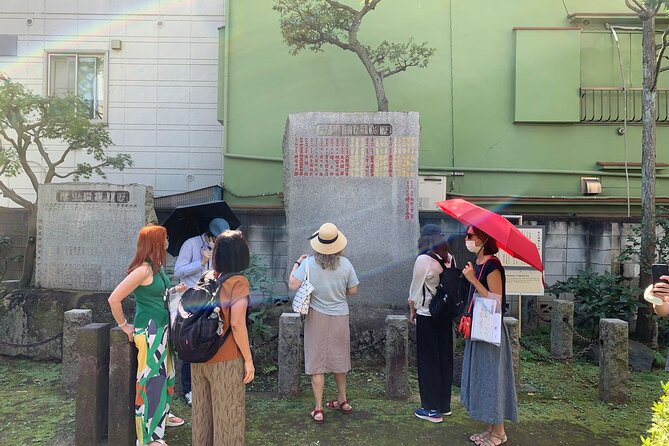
(430,190)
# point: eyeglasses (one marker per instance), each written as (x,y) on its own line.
(470,236)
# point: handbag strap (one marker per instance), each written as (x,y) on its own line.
(471,299)
(306,269)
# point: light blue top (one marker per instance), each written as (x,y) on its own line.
(329,295)
(188,267)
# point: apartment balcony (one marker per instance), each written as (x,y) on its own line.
(606,105)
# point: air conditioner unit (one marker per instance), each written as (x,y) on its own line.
(430,190)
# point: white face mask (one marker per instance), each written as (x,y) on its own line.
(471,245)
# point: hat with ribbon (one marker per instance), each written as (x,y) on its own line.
(328,239)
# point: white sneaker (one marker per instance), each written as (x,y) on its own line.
(189,398)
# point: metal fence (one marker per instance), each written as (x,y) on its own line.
(607,105)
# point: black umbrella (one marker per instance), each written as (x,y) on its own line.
(188,221)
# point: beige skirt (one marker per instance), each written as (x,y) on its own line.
(327,343)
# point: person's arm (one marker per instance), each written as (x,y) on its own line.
(295,282)
(494,279)
(238,307)
(123,290)
(660,290)
(186,265)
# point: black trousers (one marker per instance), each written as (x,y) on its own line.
(434,354)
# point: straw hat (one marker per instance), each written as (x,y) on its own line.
(328,239)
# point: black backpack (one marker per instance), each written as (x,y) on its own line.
(195,334)
(451,293)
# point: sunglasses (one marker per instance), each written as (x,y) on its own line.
(470,236)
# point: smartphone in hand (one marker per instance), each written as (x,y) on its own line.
(657,270)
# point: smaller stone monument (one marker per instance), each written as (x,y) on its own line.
(87,233)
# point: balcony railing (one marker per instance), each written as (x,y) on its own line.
(607,105)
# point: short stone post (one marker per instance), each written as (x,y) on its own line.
(613,360)
(562,322)
(397,347)
(530,314)
(514,338)
(92,384)
(290,354)
(73,320)
(122,378)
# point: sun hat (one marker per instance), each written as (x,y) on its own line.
(217,226)
(328,239)
(431,229)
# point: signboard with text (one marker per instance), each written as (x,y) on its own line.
(521,278)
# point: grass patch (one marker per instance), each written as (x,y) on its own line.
(563,411)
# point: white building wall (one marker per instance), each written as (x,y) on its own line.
(162,84)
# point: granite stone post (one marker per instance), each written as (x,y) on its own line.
(613,361)
(92,385)
(397,336)
(530,312)
(511,324)
(122,378)
(290,354)
(562,336)
(73,320)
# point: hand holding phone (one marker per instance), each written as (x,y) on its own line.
(658,270)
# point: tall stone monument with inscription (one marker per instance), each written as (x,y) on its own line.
(87,232)
(360,172)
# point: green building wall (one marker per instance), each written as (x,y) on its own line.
(499,102)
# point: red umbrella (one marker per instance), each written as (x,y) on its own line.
(508,237)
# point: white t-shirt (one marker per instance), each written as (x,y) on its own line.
(329,295)
(426,272)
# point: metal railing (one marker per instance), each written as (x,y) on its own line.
(607,105)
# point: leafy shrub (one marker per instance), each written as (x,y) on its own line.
(659,430)
(260,279)
(660,239)
(6,247)
(596,296)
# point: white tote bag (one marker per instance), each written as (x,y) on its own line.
(486,320)
(303,295)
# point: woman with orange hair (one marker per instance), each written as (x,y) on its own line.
(155,364)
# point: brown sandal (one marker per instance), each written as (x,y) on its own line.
(315,413)
(490,442)
(336,405)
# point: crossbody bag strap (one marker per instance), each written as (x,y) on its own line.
(471,299)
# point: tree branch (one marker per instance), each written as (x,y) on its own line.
(45,155)
(338,5)
(638,9)
(660,56)
(16,198)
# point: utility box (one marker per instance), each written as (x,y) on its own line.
(430,190)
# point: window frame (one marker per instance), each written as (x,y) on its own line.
(81,53)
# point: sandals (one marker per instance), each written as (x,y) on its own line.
(336,405)
(173,421)
(315,413)
(491,442)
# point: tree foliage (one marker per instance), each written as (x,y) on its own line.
(28,120)
(311,24)
(29,124)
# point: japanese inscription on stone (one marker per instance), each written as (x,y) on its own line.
(86,234)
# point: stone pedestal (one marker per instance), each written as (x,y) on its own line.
(92,384)
(122,379)
(613,361)
(530,314)
(562,336)
(360,172)
(73,320)
(511,324)
(87,232)
(397,335)
(290,354)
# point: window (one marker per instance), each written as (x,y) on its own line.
(82,75)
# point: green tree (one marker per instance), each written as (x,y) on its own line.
(27,122)
(652,59)
(311,24)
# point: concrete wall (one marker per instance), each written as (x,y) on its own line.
(162,83)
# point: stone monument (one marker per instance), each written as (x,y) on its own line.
(87,233)
(360,172)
